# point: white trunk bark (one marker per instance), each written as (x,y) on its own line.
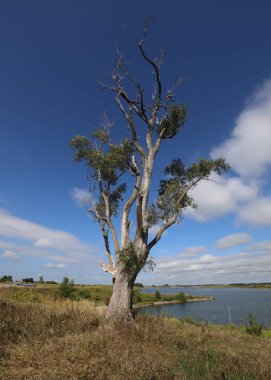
(120,306)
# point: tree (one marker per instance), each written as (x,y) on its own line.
(41,280)
(6,279)
(157,295)
(66,288)
(110,164)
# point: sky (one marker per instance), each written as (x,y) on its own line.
(52,54)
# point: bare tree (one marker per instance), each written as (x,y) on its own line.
(110,163)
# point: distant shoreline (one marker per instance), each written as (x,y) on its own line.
(244,286)
(160,303)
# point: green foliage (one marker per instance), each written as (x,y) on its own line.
(115,197)
(172,124)
(108,162)
(104,158)
(204,168)
(254,327)
(157,295)
(137,296)
(6,279)
(25,295)
(134,260)
(79,294)
(153,215)
(138,285)
(181,297)
(66,288)
(41,280)
(130,258)
(173,191)
(149,264)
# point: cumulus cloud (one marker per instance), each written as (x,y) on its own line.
(220,196)
(11,255)
(79,196)
(45,242)
(249,154)
(233,240)
(248,149)
(257,212)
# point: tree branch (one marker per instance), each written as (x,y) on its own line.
(109,222)
(159,234)
(110,268)
(125,225)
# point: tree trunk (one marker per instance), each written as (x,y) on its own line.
(120,306)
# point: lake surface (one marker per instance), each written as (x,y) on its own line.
(230,304)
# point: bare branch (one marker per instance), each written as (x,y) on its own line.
(159,234)
(157,74)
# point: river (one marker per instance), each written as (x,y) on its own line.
(230,305)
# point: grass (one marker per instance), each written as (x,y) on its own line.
(97,294)
(65,339)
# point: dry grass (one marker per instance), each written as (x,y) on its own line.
(69,340)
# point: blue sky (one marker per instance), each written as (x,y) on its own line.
(52,54)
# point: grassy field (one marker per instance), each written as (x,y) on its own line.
(97,294)
(51,338)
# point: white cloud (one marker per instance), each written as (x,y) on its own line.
(192,251)
(55,265)
(248,152)
(43,243)
(11,255)
(220,196)
(206,259)
(248,149)
(60,245)
(247,266)
(233,240)
(257,212)
(261,246)
(79,196)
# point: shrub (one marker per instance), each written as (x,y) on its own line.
(66,288)
(139,285)
(6,279)
(25,295)
(136,296)
(157,295)
(254,327)
(181,297)
(84,294)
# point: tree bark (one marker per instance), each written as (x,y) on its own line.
(120,308)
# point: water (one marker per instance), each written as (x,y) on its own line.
(230,305)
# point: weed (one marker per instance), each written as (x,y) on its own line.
(254,327)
